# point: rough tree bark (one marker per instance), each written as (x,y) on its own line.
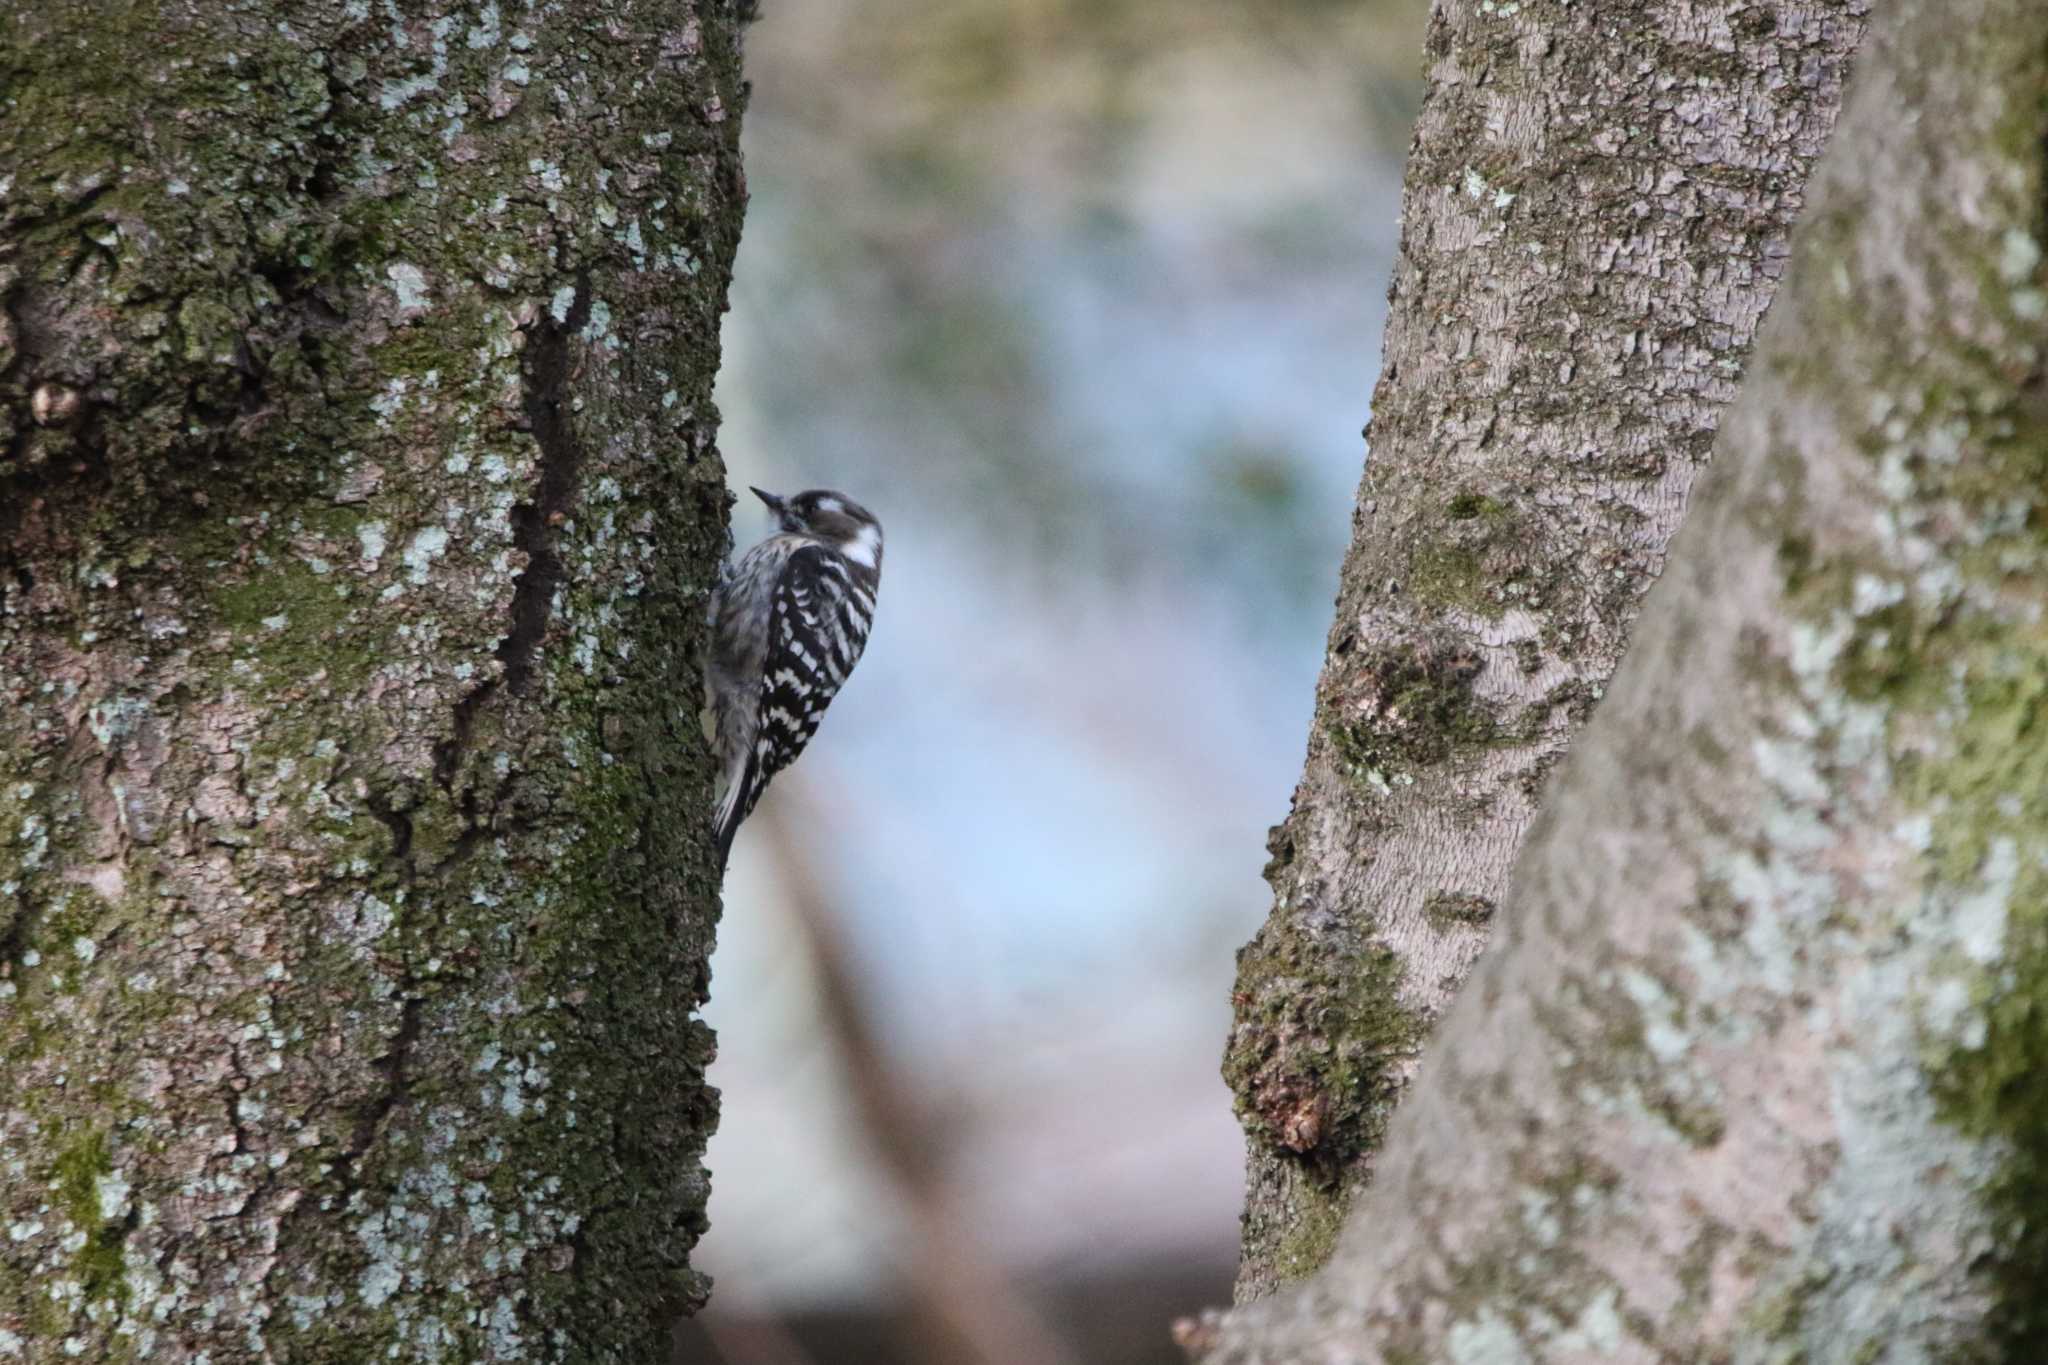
(1753,1070)
(1598,201)
(357,506)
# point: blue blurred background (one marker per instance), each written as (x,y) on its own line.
(1083,298)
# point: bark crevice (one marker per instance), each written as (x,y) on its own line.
(546,375)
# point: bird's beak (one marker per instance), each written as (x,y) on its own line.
(774,503)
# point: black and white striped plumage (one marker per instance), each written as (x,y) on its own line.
(787,626)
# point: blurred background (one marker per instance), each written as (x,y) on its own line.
(1083,299)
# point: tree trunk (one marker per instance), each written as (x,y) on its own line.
(1753,1072)
(1598,202)
(358,505)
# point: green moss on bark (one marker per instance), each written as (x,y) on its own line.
(1316,1218)
(1315,1055)
(1409,708)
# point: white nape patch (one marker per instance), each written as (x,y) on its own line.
(861,549)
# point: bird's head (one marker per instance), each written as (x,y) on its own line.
(831,517)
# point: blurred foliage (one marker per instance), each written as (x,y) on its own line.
(984,52)
(1083,297)
(976,222)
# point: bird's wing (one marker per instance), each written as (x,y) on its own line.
(817,627)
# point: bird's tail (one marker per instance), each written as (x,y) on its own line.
(734,808)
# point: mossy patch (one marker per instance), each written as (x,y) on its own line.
(1409,708)
(1476,559)
(1316,1049)
(1452,575)
(77,1173)
(1449,909)
(1469,506)
(1311,1235)
(1778,1318)
(1995,1091)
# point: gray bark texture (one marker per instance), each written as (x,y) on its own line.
(1598,204)
(358,506)
(1752,1071)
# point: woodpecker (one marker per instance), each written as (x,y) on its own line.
(788,624)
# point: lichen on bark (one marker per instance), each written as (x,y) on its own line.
(1596,213)
(358,503)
